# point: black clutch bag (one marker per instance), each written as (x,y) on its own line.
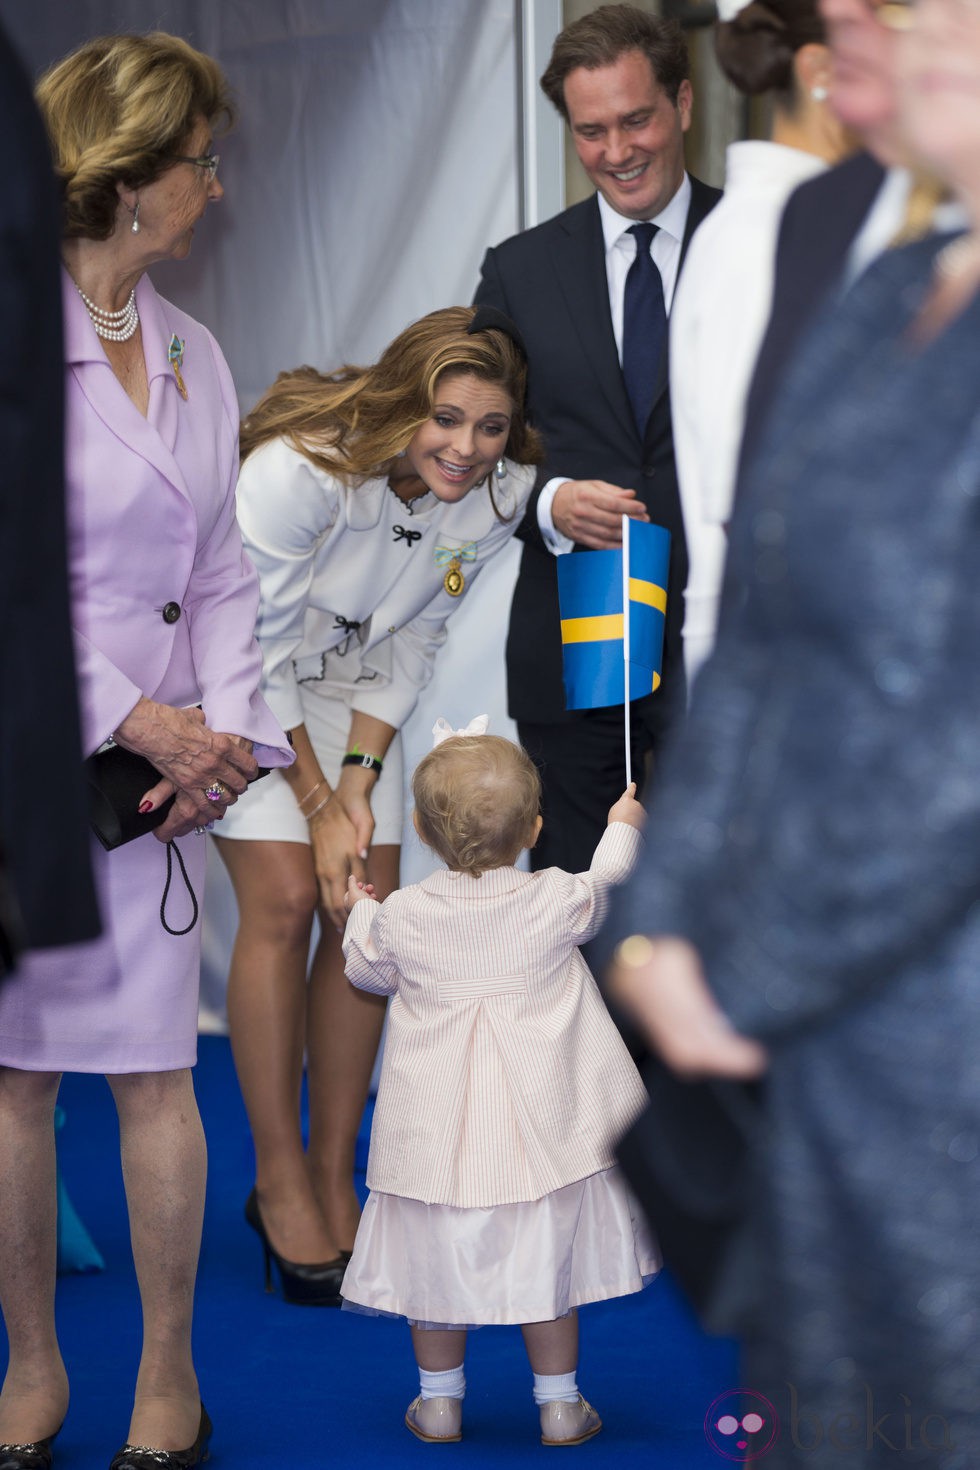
(688,1160)
(117,778)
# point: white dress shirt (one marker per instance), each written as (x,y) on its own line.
(665,249)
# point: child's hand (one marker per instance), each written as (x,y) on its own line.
(628,809)
(356,890)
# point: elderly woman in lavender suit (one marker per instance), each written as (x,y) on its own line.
(164,608)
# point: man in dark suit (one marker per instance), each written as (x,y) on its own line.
(593,317)
(44,833)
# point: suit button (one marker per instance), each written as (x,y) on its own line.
(171,613)
(648,472)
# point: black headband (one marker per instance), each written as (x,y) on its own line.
(489,319)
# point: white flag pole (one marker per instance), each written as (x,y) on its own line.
(626,645)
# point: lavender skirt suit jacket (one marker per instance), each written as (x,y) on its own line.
(164,605)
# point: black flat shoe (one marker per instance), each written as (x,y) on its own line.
(141,1457)
(33,1456)
(305,1286)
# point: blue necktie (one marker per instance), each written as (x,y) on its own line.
(644,326)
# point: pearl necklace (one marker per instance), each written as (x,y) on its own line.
(112,326)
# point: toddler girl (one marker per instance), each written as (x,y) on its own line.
(494,1197)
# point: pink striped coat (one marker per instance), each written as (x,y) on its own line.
(503,1078)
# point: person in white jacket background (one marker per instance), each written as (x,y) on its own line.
(774,48)
(369,501)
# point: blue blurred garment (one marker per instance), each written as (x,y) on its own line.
(818,840)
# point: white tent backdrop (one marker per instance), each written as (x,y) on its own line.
(376,155)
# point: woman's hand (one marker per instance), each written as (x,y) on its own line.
(182,747)
(354,790)
(191,758)
(338,855)
(660,984)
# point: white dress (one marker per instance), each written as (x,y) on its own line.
(717,322)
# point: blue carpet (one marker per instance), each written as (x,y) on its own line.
(309,1388)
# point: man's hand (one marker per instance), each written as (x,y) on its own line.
(590,512)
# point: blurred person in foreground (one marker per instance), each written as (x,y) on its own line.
(164,607)
(46,891)
(809,911)
(835,225)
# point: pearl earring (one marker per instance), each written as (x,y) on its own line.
(819,94)
(135,226)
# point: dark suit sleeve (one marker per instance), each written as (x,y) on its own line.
(492,291)
(818,226)
(785,323)
(43,808)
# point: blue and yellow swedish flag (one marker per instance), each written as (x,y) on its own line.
(591,593)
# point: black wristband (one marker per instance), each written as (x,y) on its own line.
(368,762)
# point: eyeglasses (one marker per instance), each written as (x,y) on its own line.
(209,162)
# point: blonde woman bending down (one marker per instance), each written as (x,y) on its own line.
(369,501)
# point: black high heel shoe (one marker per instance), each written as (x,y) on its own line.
(142,1457)
(307,1286)
(35,1455)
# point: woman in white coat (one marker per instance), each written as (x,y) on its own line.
(770,48)
(369,501)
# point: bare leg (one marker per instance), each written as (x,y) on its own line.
(552,1347)
(437,1351)
(164,1170)
(276,891)
(35,1391)
(343,1032)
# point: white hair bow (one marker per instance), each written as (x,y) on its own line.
(728,9)
(442,730)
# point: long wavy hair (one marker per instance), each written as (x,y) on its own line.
(352,423)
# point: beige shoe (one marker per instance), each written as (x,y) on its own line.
(563,1423)
(437,1421)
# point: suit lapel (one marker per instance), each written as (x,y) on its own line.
(580,268)
(106,395)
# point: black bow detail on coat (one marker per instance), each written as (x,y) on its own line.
(407,536)
(350,626)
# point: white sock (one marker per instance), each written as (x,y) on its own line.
(448,1385)
(551,1386)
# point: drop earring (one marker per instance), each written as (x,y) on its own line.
(501,468)
(135,226)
